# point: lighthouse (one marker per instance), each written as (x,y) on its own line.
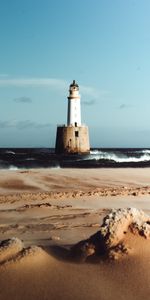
(74,109)
(73,138)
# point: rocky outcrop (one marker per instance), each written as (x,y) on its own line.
(10,248)
(109,240)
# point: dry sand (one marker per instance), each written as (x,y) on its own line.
(52,209)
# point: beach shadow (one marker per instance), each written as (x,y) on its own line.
(65,253)
(59,252)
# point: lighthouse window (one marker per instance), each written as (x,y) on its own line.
(76,133)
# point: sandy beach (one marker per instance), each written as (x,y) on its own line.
(50,210)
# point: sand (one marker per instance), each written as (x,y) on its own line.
(48,211)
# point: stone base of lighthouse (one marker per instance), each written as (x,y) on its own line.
(72,139)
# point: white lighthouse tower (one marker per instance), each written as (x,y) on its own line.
(74,109)
(73,137)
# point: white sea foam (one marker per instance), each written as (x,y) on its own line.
(30,158)
(146,151)
(120,158)
(56,167)
(10,152)
(13,168)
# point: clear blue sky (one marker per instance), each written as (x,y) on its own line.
(103,44)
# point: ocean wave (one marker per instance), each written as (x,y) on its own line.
(13,168)
(98,157)
(118,158)
(55,167)
(146,151)
(10,152)
(30,158)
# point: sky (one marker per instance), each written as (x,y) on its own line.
(103,44)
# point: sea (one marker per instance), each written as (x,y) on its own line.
(25,158)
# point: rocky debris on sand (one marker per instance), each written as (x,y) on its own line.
(10,248)
(118,221)
(13,250)
(28,252)
(109,240)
